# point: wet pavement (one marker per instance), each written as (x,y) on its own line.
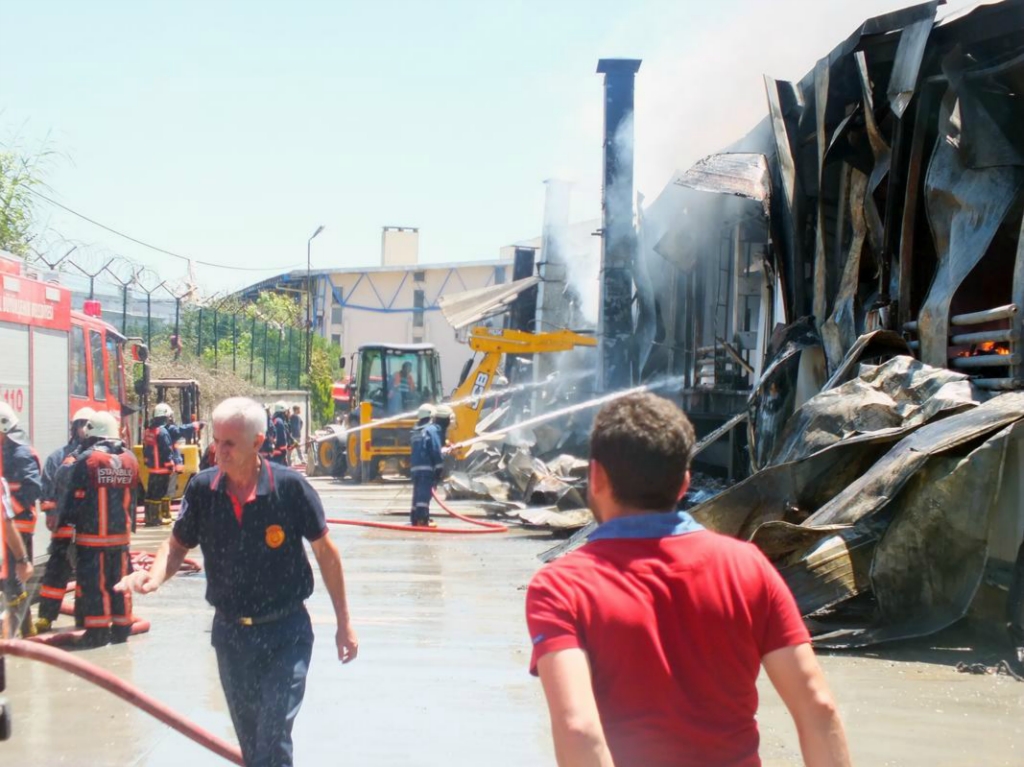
(441,677)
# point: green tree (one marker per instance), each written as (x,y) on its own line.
(18,175)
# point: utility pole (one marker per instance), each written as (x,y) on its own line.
(309,300)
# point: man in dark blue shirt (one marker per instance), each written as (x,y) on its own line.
(295,427)
(250,516)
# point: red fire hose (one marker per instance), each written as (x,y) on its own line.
(482,527)
(102,678)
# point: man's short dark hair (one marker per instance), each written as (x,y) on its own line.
(643,442)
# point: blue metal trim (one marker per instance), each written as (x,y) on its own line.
(353,290)
(391,303)
(361,308)
(433,304)
(369,279)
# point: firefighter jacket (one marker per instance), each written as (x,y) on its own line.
(158,451)
(55,462)
(99,497)
(426,448)
(19,465)
(281,436)
(186,431)
(269,439)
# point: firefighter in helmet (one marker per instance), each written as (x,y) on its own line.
(427,463)
(162,460)
(19,465)
(444,417)
(282,435)
(58,565)
(98,501)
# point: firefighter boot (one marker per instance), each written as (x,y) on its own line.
(165,511)
(28,626)
(152,513)
(43,625)
(92,639)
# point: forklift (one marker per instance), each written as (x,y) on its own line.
(182,394)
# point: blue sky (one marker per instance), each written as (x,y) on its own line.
(227,131)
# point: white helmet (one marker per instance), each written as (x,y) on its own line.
(444,411)
(8,418)
(102,425)
(280,406)
(163,410)
(83,414)
(426,411)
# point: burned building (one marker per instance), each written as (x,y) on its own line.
(854,281)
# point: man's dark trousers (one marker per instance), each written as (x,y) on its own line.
(422,488)
(263,672)
(55,579)
(14,589)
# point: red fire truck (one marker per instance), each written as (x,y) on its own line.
(53,359)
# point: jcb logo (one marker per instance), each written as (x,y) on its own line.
(479,388)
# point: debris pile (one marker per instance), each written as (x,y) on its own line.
(876,501)
(513,483)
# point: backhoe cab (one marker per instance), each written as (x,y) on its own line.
(391,381)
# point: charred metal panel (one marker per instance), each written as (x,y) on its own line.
(788,202)
(618,240)
(907,66)
(965,208)
(646,315)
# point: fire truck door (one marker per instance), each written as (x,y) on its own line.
(50,415)
(14,372)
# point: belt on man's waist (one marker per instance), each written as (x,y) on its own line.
(259,620)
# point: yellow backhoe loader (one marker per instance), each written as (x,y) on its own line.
(393,380)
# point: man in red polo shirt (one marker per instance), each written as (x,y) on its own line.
(649,639)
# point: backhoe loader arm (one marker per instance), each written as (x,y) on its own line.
(481,378)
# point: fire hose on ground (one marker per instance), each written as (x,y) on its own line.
(43,649)
(40,648)
(482,527)
(65,661)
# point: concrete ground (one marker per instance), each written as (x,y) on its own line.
(441,678)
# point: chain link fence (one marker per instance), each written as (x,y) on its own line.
(174,324)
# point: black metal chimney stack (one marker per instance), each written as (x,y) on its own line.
(615,323)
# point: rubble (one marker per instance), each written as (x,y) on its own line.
(894,498)
(525,487)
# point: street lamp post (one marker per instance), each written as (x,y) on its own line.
(309,300)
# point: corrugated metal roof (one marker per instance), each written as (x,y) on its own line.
(464,309)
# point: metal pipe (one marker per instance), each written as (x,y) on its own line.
(999,384)
(277,360)
(987,315)
(985,336)
(252,347)
(914,345)
(985,361)
(199,335)
(309,299)
(266,352)
(618,241)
